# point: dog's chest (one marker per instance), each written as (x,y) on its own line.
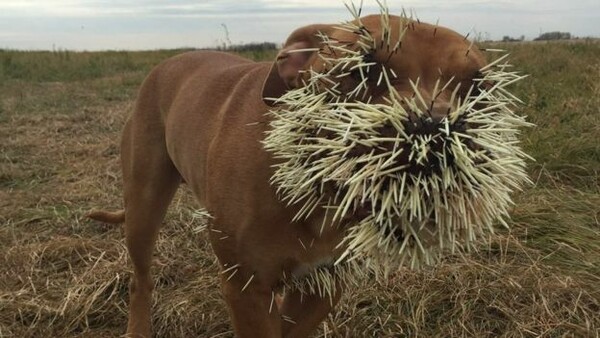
(305,269)
(324,278)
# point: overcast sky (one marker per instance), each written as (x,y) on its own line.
(152,24)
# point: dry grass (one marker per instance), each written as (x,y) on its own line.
(62,275)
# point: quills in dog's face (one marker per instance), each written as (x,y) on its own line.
(367,143)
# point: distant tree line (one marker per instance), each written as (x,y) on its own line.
(553,36)
(542,37)
(226,45)
(507,38)
(249,47)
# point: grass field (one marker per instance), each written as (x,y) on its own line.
(62,275)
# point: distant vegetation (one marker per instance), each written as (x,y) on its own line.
(507,38)
(254,50)
(68,66)
(553,36)
(250,47)
(549,36)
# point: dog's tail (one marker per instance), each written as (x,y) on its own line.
(107,216)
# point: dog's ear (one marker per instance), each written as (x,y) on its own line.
(297,54)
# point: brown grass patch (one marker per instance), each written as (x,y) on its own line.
(62,275)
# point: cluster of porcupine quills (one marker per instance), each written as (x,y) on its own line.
(340,152)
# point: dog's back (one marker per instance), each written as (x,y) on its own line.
(196,97)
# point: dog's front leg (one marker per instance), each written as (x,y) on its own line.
(252,308)
(301,314)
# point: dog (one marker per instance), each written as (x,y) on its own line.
(201,117)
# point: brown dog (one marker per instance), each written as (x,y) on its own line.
(200,118)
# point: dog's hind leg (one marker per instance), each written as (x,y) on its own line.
(150,181)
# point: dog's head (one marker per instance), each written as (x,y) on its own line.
(357,55)
(398,125)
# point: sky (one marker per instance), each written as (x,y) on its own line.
(154,24)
